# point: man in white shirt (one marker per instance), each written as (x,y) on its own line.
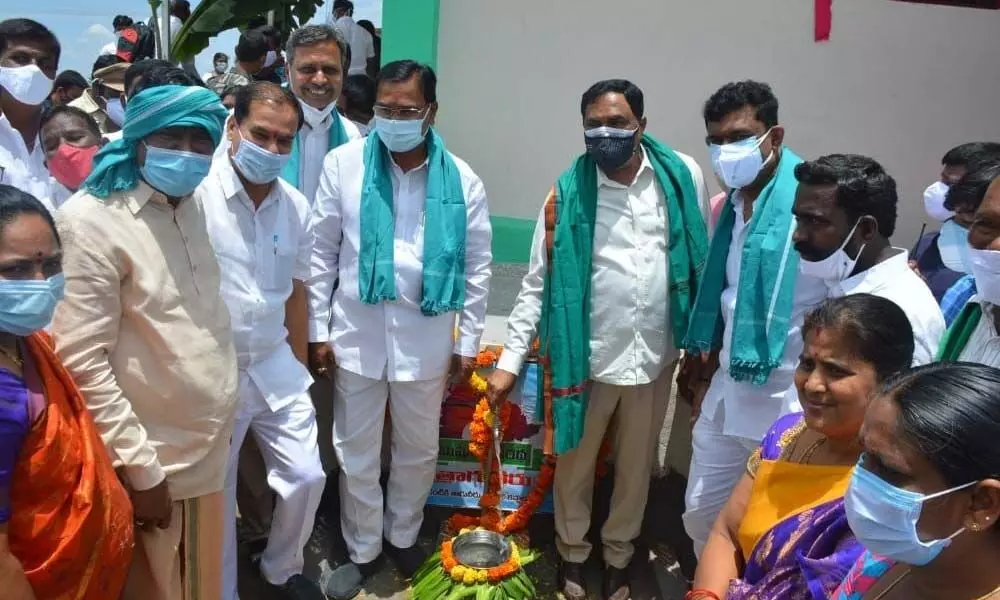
(845,210)
(363,61)
(646,197)
(744,380)
(260,230)
(403,224)
(29,59)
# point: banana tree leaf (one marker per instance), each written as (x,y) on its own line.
(212,17)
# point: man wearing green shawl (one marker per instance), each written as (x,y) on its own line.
(744,340)
(403,225)
(618,252)
(147,336)
(975,334)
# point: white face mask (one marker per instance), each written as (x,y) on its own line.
(738,164)
(116,111)
(985,265)
(315,116)
(836,267)
(934,197)
(28,84)
(272,57)
(953,246)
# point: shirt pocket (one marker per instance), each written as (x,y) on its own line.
(278,264)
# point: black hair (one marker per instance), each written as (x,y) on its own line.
(737,95)
(632,93)
(68,79)
(310,35)
(104,61)
(877,330)
(14,203)
(121,22)
(359,90)
(966,154)
(231,90)
(252,46)
(72,111)
(367,26)
(26,29)
(271,32)
(220,56)
(403,70)
(863,187)
(140,69)
(950,413)
(165,76)
(339,4)
(256,22)
(264,91)
(969,191)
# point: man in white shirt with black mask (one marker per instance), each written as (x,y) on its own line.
(29,59)
(260,230)
(845,210)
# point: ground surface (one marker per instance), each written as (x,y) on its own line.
(656,565)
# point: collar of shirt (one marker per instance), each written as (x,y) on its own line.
(310,118)
(878,275)
(399,172)
(142,195)
(20,148)
(233,188)
(605,181)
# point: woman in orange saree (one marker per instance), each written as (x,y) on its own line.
(65,520)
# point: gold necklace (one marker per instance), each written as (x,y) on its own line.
(12,356)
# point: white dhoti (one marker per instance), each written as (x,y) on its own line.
(287,441)
(358,424)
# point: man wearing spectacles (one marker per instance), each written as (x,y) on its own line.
(405,227)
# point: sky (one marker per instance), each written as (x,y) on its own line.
(83,28)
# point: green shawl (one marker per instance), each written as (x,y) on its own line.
(564,328)
(960,331)
(445,224)
(338,137)
(766,289)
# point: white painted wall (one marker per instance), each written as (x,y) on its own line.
(900,82)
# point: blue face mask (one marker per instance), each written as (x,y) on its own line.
(884,518)
(400,135)
(258,165)
(176,173)
(26,305)
(953,245)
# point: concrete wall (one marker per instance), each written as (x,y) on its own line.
(899,82)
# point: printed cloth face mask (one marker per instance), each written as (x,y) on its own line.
(610,147)
(884,518)
(738,164)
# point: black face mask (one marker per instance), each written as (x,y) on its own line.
(610,147)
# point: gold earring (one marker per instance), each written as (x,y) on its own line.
(974,527)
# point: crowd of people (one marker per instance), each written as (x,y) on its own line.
(193,269)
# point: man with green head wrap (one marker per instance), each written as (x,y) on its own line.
(146,335)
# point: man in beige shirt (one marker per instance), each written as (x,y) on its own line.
(145,333)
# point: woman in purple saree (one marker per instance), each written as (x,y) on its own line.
(783,534)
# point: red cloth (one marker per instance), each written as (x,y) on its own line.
(71,519)
(824,19)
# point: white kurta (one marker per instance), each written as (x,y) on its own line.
(389,353)
(894,280)
(25,169)
(261,250)
(630,337)
(735,415)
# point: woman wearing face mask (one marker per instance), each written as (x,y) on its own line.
(783,531)
(65,520)
(70,139)
(925,498)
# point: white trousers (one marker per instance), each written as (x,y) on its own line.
(287,441)
(717,463)
(358,424)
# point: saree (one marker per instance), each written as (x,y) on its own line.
(71,519)
(800,545)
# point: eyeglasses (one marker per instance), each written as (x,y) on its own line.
(402,114)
